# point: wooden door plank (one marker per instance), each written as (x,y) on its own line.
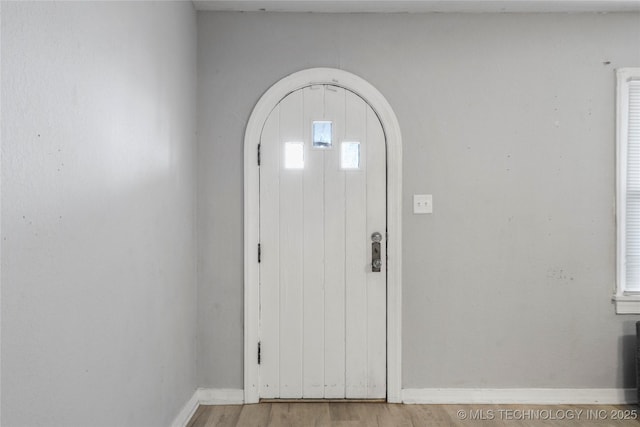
(291,253)
(376,281)
(334,224)
(356,254)
(271,155)
(313,249)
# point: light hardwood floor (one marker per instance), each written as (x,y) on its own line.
(341,414)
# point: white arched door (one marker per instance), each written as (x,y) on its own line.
(322,262)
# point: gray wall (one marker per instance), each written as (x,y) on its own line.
(508,120)
(98,208)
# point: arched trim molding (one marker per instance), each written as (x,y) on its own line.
(268,101)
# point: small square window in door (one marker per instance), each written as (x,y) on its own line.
(350,155)
(294,155)
(321,134)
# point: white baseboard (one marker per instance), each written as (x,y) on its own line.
(187,412)
(531,396)
(220,396)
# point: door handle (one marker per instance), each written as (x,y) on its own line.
(376,262)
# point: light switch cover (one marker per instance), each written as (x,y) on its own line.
(422,203)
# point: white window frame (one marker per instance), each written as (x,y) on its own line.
(626,302)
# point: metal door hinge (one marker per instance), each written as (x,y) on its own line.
(259,355)
(259,154)
(259,253)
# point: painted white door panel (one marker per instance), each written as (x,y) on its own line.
(335,260)
(356,244)
(313,250)
(291,254)
(322,308)
(376,282)
(270,269)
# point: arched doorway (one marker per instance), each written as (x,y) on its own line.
(373,99)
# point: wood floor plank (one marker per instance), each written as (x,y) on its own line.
(420,415)
(400,415)
(341,414)
(221,416)
(198,419)
(228,417)
(254,415)
(364,413)
(297,414)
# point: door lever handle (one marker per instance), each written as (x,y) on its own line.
(376,262)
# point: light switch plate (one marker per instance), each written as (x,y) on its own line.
(422,203)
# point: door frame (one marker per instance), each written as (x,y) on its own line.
(393,137)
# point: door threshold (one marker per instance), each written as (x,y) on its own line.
(323,400)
